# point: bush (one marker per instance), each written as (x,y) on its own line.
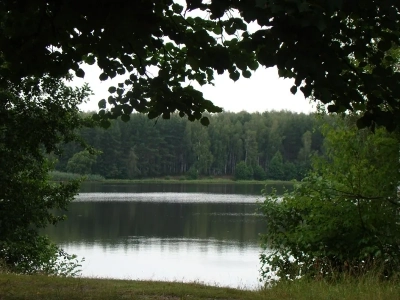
(192,174)
(42,114)
(343,217)
(81,163)
(291,171)
(243,172)
(259,173)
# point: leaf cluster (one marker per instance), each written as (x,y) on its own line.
(337,52)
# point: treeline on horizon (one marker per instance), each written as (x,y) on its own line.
(269,145)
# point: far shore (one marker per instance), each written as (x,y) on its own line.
(197,181)
(62,176)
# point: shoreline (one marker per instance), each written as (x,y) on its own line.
(193,181)
(56,176)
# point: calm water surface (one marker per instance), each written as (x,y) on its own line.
(173,232)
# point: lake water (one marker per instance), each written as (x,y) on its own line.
(207,233)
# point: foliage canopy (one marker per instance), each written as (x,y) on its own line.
(338,52)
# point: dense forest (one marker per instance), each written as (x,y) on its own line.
(269,145)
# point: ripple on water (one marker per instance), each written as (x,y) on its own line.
(167,197)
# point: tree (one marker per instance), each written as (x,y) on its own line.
(201,148)
(81,163)
(143,148)
(338,52)
(243,172)
(291,171)
(131,164)
(250,148)
(259,173)
(305,151)
(36,116)
(276,167)
(343,217)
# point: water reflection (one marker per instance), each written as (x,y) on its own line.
(167,197)
(109,222)
(185,260)
(210,188)
(211,238)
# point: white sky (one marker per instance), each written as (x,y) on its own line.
(264,91)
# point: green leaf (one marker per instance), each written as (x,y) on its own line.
(217,29)
(241,64)
(112,100)
(125,118)
(325,95)
(177,8)
(90,59)
(363,122)
(193,62)
(103,76)
(246,74)
(359,106)
(166,115)
(80,73)
(384,45)
(127,109)
(234,75)
(153,115)
(133,77)
(112,89)
(105,123)
(230,30)
(120,91)
(112,74)
(96,117)
(253,65)
(102,103)
(205,121)
(293,90)
(197,114)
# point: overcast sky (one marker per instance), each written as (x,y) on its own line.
(264,91)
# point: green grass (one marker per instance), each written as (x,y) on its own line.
(64,176)
(197,181)
(43,287)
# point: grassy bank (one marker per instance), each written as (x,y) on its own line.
(198,181)
(42,287)
(63,176)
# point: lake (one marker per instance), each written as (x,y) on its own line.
(207,233)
